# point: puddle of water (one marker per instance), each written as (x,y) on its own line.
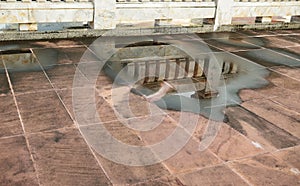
(289,51)
(18,60)
(269,58)
(238,42)
(213,108)
(250,75)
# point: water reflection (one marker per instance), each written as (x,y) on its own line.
(26,61)
(191,90)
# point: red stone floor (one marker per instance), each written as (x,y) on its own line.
(258,144)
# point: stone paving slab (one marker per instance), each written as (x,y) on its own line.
(268,135)
(16,165)
(42,111)
(265,170)
(27,82)
(218,175)
(268,58)
(62,158)
(4,86)
(10,124)
(291,157)
(276,114)
(227,142)
(191,158)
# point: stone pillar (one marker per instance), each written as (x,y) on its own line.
(223,13)
(104,14)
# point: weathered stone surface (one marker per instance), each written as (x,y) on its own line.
(4,86)
(10,123)
(26,82)
(265,170)
(232,44)
(291,156)
(122,174)
(62,76)
(228,140)
(43,111)
(156,134)
(164,181)
(259,130)
(16,165)
(284,118)
(268,58)
(218,175)
(190,157)
(63,158)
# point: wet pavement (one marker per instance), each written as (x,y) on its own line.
(45,136)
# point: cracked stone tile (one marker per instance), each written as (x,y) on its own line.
(16,165)
(230,144)
(260,131)
(63,158)
(43,111)
(265,170)
(218,175)
(276,114)
(9,119)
